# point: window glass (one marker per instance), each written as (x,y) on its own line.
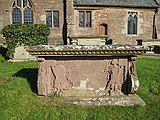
(135,24)
(56,19)
(19,3)
(24,3)
(85,19)
(16,16)
(49,18)
(52,18)
(132,23)
(88,19)
(28,16)
(81,19)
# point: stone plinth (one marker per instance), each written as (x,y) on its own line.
(87,70)
(88,40)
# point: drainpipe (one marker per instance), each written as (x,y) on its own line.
(154,34)
(64,33)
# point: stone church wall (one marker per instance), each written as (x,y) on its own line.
(39,14)
(116,20)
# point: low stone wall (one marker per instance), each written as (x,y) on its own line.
(151,42)
(154,45)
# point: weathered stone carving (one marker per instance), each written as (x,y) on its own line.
(115,77)
(61,81)
(133,75)
(42,83)
(99,77)
(87,70)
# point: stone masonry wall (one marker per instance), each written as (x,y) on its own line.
(40,7)
(3,16)
(116,19)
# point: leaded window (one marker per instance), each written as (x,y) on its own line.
(28,16)
(132,23)
(16,16)
(52,19)
(22,12)
(55,18)
(49,18)
(85,18)
(88,19)
(81,19)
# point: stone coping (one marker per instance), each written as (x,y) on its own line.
(74,37)
(89,50)
(151,40)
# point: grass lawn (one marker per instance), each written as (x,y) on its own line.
(18,98)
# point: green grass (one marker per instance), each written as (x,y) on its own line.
(18,98)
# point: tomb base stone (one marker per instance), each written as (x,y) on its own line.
(99,75)
(124,100)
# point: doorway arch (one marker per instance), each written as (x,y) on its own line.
(103,29)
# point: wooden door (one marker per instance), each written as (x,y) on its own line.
(103,29)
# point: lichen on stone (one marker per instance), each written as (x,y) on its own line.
(84,47)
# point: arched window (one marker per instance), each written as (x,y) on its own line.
(28,15)
(132,23)
(22,12)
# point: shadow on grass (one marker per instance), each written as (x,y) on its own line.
(3,52)
(31,74)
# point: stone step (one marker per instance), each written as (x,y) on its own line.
(125,100)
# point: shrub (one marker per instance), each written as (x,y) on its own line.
(24,34)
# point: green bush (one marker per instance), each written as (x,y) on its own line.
(24,34)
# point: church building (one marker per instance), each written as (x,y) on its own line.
(84,21)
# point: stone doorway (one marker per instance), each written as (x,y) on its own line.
(103,29)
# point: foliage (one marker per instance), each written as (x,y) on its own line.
(2,59)
(24,34)
(18,98)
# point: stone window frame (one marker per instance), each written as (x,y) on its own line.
(137,15)
(52,20)
(21,7)
(85,18)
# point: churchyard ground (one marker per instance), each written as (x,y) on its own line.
(18,98)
